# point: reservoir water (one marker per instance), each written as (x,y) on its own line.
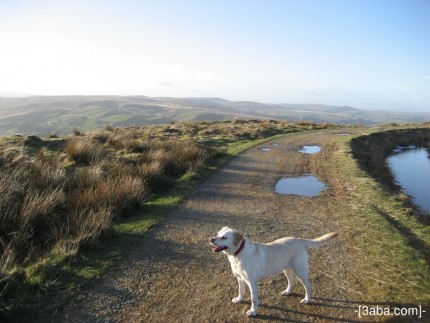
(411,170)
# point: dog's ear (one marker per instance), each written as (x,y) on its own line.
(225,229)
(237,237)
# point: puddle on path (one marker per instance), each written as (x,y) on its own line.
(310,149)
(265,149)
(306,185)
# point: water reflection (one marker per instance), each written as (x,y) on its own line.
(310,149)
(411,169)
(306,185)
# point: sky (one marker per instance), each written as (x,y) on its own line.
(368,54)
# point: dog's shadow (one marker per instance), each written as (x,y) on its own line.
(315,310)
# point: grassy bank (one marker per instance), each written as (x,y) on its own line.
(72,206)
(377,222)
(372,150)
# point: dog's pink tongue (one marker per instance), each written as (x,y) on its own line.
(216,249)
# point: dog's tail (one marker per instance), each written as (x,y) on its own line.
(321,240)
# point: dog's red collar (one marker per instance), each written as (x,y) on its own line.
(242,244)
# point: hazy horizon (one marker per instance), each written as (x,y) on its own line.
(370,55)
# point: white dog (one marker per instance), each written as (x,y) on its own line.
(252,262)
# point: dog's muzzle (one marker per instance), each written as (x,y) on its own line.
(216,248)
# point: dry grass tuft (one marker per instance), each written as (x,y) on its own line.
(30,208)
(85,151)
(59,195)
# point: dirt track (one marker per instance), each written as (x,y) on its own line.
(174,277)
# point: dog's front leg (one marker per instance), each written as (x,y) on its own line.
(242,290)
(253,288)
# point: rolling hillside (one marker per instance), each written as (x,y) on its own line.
(44,115)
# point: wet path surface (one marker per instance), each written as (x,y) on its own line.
(174,277)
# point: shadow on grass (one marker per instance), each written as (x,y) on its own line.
(411,238)
(362,311)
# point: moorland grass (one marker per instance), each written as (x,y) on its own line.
(160,165)
(65,199)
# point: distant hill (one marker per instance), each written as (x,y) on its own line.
(43,115)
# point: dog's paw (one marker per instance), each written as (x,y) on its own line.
(305,301)
(286,292)
(236,300)
(251,313)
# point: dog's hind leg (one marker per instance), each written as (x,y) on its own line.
(242,290)
(291,278)
(301,269)
(303,275)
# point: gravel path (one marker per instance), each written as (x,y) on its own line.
(174,277)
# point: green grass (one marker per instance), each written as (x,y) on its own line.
(115,118)
(395,243)
(86,118)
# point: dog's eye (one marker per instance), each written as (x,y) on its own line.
(223,238)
